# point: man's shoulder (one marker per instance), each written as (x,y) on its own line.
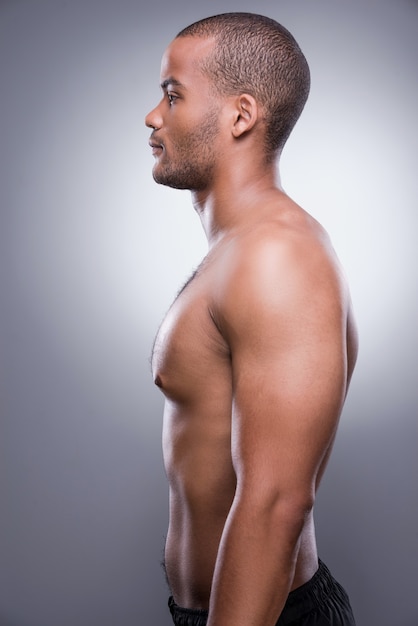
(291,244)
(279,267)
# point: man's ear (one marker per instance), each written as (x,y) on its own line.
(246,113)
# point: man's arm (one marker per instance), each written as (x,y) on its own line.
(283,314)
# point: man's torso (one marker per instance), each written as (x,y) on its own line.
(192,366)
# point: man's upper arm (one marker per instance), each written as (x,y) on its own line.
(283,316)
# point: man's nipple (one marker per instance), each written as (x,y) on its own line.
(158,381)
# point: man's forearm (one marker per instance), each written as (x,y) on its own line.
(255,565)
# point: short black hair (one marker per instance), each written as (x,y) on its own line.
(254,54)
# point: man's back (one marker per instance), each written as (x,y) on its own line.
(268,293)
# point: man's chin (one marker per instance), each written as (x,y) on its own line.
(165,179)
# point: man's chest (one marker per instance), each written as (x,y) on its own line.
(188,349)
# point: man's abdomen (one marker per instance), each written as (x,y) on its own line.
(191,548)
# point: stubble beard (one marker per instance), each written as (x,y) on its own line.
(192,162)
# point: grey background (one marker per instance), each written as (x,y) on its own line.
(92,252)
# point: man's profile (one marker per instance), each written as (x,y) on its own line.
(256,353)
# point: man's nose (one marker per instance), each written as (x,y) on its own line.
(153,119)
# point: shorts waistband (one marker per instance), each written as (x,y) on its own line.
(300,601)
(185,617)
(311,595)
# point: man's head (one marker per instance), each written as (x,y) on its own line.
(257,55)
(239,60)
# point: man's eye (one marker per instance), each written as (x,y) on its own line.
(171,98)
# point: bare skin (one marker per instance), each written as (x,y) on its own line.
(254,358)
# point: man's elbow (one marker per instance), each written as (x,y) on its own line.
(293,508)
(283,506)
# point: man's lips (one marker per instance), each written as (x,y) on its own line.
(157,148)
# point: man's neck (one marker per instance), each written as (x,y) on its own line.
(232,202)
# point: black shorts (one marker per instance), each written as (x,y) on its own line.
(319,602)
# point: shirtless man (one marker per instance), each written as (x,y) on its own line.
(256,353)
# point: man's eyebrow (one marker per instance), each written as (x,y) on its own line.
(171,81)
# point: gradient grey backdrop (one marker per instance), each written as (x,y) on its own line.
(92,252)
